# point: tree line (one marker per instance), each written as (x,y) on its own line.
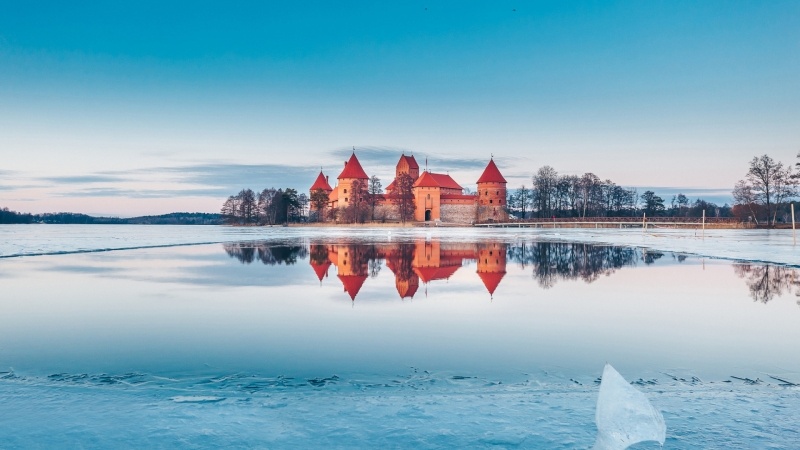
(553,195)
(269,207)
(178,218)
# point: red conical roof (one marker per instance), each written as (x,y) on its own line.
(491,280)
(321,183)
(353,169)
(491,174)
(352,284)
(321,269)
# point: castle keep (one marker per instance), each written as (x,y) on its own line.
(436,196)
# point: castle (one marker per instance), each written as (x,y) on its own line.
(436,196)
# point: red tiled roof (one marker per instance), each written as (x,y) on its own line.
(446,181)
(334,196)
(412,163)
(426,180)
(353,169)
(491,174)
(430,179)
(352,284)
(491,280)
(321,183)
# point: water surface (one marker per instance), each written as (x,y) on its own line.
(395,341)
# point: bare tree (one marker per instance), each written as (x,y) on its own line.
(374,191)
(767,183)
(319,201)
(402,196)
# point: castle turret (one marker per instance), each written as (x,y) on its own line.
(350,174)
(320,185)
(492,195)
(407,164)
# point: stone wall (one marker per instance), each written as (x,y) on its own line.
(492,214)
(455,213)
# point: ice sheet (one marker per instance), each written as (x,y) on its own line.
(407,411)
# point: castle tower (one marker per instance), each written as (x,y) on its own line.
(320,184)
(492,195)
(427,196)
(407,164)
(352,171)
(491,265)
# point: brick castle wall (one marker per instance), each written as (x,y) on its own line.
(458,213)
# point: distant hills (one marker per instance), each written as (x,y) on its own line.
(176,218)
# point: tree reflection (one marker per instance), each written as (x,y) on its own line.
(269,254)
(767,281)
(556,261)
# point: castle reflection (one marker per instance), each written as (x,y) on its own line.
(415,264)
(412,263)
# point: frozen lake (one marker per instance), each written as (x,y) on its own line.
(342,338)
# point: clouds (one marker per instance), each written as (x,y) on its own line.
(217,180)
(84,179)
(384,156)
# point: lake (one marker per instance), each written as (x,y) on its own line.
(388,338)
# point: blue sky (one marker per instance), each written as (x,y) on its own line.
(146,108)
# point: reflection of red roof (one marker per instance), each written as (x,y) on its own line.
(408,289)
(352,284)
(321,269)
(428,274)
(321,183)
(491,280)
(491,174)
(353,169)
(412,163)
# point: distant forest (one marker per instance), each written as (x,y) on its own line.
(178,218)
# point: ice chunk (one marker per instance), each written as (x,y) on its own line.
(624,415)
(197,399)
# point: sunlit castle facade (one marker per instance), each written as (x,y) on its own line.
(436,196)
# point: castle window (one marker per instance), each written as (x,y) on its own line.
(345,199)
(429,195)
(345,191)
(486,193)
(497,193)
(490,201)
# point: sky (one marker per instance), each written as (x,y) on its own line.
(132,108)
